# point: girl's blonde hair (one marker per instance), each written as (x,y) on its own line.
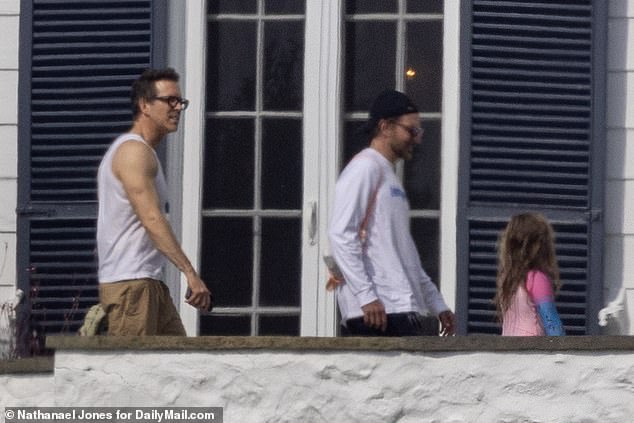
(527,243)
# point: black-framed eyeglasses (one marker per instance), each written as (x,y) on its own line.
(173,101)
(413,131)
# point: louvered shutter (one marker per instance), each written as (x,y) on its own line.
(531,143)
(78,61)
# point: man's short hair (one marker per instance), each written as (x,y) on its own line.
(144,87)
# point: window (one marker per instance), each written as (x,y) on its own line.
(253,167)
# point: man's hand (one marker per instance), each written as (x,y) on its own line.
(374,315)
(448,323)
(200,296)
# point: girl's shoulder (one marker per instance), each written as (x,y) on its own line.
(536,273)
(538,282)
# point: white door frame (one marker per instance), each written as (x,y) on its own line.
(322,129)
(193,142)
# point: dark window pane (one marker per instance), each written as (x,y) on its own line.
(279,326)
(232,6)
(225,325)
(425,233)
(282,164)
(296,7)
(370,61)
(422,172)
(371,6)
(425,6)
(424,58)
(231,70)
(281,262)
(229,164)
(227,259)
(356,139)
(283,65)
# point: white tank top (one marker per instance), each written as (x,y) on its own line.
(124,247)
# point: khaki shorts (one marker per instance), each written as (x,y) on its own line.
(140,307)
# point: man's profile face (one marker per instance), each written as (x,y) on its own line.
(164,108)
(403,140)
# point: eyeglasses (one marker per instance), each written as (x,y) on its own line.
(413,131)
(173,101)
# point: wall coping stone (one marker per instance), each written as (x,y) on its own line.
(472,343)
(425,344)
(29,365)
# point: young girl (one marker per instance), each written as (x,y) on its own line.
(527,272)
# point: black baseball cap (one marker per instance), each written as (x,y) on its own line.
(389,104)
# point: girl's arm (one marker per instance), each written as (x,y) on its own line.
(540,290)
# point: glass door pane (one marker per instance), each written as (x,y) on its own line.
(369,61)
(231,72)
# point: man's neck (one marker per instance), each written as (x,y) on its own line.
(382,147)
(152,137)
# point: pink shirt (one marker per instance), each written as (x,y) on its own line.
(521,318)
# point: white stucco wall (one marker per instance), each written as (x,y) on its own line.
(273,386)
(26,390)
(9,31)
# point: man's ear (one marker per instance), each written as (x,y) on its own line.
(144,104)
(383,125)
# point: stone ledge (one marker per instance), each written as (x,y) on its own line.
(27,365)
(475,343)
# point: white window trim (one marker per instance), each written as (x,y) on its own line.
(450,151)
(193,140)
(322,129)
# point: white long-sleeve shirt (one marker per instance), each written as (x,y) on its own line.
(388,266)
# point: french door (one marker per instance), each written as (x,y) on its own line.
(275,105)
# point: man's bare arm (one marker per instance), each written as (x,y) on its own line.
(135,166)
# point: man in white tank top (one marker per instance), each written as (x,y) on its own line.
(385,289)
(133,234)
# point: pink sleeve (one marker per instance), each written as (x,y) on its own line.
(539,287)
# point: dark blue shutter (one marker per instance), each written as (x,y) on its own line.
(78,60)
(531,142)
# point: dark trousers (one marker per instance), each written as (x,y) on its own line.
(398,324)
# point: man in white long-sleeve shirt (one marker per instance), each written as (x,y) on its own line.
(385,290)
